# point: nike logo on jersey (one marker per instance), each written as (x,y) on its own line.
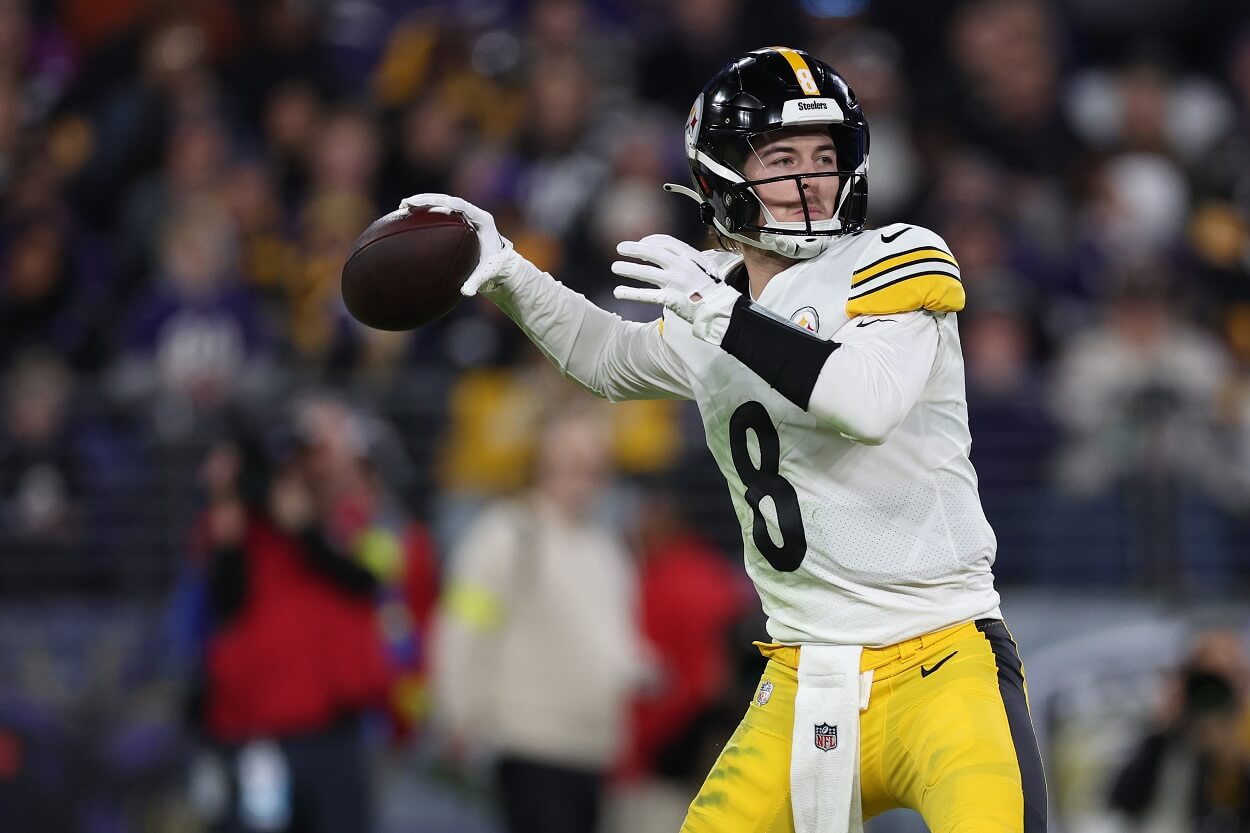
(872,321)
(890,238)
(924,672)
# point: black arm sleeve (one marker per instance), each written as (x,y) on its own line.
(343,572)
(787,357)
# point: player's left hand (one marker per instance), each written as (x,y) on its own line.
(683,283)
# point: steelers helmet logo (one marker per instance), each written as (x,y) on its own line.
(807,318)
(694,122)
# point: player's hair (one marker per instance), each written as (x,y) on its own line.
(720,241)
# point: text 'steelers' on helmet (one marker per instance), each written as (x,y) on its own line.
(764,91)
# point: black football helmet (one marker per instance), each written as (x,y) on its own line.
(763,91)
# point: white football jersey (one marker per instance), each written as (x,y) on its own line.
(849,543)
(850,537)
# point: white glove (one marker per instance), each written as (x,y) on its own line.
(498,259)
(684,284)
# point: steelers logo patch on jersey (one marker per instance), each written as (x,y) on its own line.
(807,318)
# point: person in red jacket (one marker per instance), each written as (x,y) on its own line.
(295,656)
(342,449)
(691,598)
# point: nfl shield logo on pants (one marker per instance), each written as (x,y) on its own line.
(826,737)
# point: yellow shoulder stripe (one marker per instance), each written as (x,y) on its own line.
(889,263)
(933,291)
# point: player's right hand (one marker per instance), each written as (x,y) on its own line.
(498,259)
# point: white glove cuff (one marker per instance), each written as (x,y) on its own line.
(713,311)
(510,264)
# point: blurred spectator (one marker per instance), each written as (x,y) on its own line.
(11,115)
(537,646)
(562,171)
(1146,106)
(1140,456)
(580,30)
(683,57)
(624,210)
(1236,408)
(1137,394)
(320,332)
(692,596)
(193,169)
(292,114)
(1004,94)
(268,258)
(193,340)
(1014,436)
(431,133)
(134,96)
(1219,229)
(1136,212)
(42,480)
(345,153)
(279,48)
(340,203)
(494,414)
(50,296)
(294,655)
(1193,771)
(348,459)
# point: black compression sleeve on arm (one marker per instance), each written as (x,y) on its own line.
(785,356)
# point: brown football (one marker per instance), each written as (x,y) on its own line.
(406,269)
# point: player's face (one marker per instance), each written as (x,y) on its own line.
(786,153)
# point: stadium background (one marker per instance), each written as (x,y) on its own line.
(182,181)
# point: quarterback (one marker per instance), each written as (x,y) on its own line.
(826,365)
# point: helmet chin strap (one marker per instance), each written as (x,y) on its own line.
(793,245)
(786,245)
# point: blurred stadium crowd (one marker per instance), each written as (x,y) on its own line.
(182,182)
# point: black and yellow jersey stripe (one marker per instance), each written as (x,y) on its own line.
(924,276)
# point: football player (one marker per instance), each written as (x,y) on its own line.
(826,364)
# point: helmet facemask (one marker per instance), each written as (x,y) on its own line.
(745,106)
(810,222)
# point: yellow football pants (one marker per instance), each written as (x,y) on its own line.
(946,732)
